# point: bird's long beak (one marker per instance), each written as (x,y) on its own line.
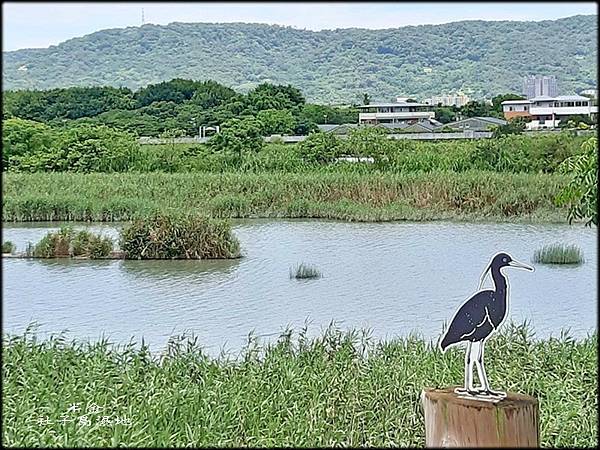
(520,265)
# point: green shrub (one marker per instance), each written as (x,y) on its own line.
(581,194)
(558,254)
(55,244)
(319,148)
(239,137)
(368,141)
(90,245)
(65,242)
(178,237)
(21,138)
(81,148)
(8,247)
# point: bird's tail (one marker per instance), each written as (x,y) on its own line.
(446,341)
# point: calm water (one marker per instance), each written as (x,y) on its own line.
(393,278)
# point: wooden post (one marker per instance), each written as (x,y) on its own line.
(453,421)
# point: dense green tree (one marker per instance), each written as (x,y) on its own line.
(270,96)
(368,142)
(476,109)
(319,148)
(81,148)
(22,137)
(176,90)
(275,121)
(445,114)
(327,114)
(70,103)
(210,94)
(238,136)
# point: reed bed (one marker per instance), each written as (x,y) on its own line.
(559,254)
(471,195)
(340,388)
(305,271)
(178,237)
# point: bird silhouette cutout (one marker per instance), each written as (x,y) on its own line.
(477,319)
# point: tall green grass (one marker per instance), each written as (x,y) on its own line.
(340,388)
(515,153)
(471,195)
(558,254)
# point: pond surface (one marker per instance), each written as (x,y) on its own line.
(393,278)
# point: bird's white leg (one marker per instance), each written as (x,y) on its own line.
(483,376)
(480,369)
(472,360)
(469,361)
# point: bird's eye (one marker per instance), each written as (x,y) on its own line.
(503,259)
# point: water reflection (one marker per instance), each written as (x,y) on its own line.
(69,265)
(196,272)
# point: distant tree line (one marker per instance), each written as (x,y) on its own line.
(177,104)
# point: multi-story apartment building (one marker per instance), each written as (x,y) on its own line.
(547,112)
(539,85)
(457,100)
(402,111)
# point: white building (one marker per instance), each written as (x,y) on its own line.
(547,112)
(402,111)
(458,100)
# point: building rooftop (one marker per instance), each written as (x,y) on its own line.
(560,98)
(493,120)
(327,127)
(542,98)
(515,102)
(572,98)
(390,105)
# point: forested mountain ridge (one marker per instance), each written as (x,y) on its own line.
(481,58)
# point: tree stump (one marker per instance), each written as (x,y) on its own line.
(453,421)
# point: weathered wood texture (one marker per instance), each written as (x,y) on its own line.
(451,421)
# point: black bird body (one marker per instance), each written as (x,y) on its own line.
(480,315)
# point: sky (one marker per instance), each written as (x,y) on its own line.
(39,25)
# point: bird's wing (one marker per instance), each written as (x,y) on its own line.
(470,316)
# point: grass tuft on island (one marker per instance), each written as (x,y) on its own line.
(66,243)
(8,247)
(305,271)
(340,388)
(182,236)
(559,254)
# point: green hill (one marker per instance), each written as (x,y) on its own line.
(478,57)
